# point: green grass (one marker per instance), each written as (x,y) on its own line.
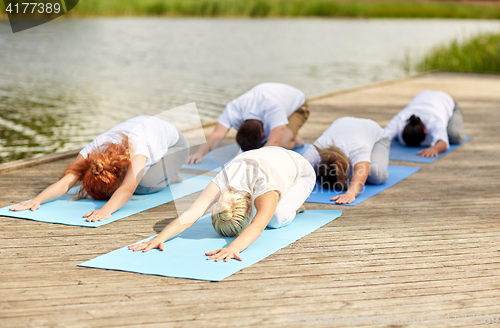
(284,8)
(479,54)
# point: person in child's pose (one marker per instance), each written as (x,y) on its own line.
(141,156)
(349,142)
(270,114)
(271,182)
(432,118)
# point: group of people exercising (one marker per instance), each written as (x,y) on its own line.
(268,183)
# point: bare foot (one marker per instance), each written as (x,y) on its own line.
(301,209)
(176,178)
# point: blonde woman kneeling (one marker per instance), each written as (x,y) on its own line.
(273,181)
(357,143)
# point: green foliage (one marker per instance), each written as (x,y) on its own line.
(285,8)
(480,54)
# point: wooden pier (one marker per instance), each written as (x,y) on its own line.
(429,246)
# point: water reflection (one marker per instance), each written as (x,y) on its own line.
(65,82)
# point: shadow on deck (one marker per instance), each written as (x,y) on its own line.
(427,247)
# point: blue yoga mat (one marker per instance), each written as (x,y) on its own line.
(65,211)
(396,174)
(184,255)
(409,154)
(215,160)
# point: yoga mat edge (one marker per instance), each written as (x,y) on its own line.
(66,212)
(170,262)
(400,153)
(396,175)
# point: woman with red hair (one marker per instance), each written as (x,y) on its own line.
(141,156)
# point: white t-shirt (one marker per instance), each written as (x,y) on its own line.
(270,103)
(434,108)
(147,135)
(355,137)
(262,170)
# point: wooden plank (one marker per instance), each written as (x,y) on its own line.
(428,245)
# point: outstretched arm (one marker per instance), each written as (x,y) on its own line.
(217,135)
(52,192)
(275,135)
(434,151)
(359,176)
(186,220)
(265,206)
(123,194)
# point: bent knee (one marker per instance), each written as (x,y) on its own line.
(184,154)
(455,138)
(142,190)
(280,219)
(273,224)
(377,176)
(282,214)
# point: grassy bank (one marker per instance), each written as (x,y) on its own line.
(480,54)
(284,8)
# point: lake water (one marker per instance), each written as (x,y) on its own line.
(65,82)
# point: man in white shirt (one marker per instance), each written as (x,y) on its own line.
(432,118)
(270,114)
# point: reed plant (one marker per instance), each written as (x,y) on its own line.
(479,54)
(285,8)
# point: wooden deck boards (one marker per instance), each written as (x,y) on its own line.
(428,246)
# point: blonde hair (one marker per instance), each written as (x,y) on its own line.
(231,214)
(333,168)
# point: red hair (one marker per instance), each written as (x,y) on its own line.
(102,172)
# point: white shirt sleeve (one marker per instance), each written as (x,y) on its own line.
(360,154)
(139,145)
(94,145)
(87,150)
(391,130)
(225,117)
(275,116)
(438,133)
(220,181)
(312,156)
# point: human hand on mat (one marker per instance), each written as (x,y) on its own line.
(194,159)
(148,245)
(433,151)
(97,215)
(224,254)
(428,152)
(53,191)
(359,176)
(346,198)
(32,205)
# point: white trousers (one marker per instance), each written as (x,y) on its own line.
(293,199)
(159,174)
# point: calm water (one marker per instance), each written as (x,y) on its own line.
(65,82)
